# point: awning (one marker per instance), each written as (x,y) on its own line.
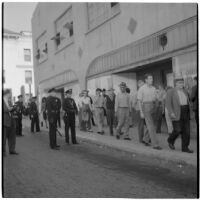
(63,78)
(171,39)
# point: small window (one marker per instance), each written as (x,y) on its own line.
(46,48)
(4,80)
(113,4)
(28,77)
(71,31)
(27,55)
(58,39)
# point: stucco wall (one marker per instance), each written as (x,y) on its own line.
(146,18)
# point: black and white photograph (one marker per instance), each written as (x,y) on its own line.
(100,100)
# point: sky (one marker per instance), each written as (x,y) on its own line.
(17,15)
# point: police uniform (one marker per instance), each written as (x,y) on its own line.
(34,116)
(70,108)
(51,107)
(20,109)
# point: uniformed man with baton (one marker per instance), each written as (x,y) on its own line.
(70,108)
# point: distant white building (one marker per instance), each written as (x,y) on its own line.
(18,63)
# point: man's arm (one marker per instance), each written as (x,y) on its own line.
(116,103)
(168,103)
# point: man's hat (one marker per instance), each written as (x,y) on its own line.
(122,84)
(179,79)
(68,91)
(85,91)
(35,97)
(98,89)
(103,90)
(51,90)
(19,96)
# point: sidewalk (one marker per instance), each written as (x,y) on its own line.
(134,147)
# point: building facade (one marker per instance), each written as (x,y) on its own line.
(90,45)
(18,63)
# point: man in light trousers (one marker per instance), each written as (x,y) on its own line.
(123,110)
(146,99)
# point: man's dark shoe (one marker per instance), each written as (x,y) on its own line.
(13,153)
(188,151)
(118,137)
(127,138)
(75,142)
(145,143)
(157,148)
(171,146)
(56,148)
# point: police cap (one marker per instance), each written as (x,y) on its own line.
(19,96)
(98,89)
(68,91)
(52,90)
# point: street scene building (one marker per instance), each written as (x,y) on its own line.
(18,63)
(90,45)
(107,100)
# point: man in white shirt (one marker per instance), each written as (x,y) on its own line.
(123,110)
(146,98)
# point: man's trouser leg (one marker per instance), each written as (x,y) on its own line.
(176,131)
(67,125)
(32,124)
(37,123)
(140,128)
(99,117)
(17,126)
(59,120)
(110,119)
(12,137)
(148,110)
(121,120)
(73,130)
(52,134)
(5,135)
(185,125)
(126,122)
(20,126)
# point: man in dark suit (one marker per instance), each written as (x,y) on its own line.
(8,124)
(70,108)
(20,111)
(34,116)
(51,107)
(177,103)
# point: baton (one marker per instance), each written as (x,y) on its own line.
(59,132)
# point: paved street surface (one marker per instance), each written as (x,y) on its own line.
(89,170)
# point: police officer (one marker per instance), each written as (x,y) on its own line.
(20,110)
(70,108)
(34,116)
(51,107)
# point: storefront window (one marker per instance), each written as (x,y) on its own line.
(27,55)
(64,29)
(28,77)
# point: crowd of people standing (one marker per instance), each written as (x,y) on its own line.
(146,109)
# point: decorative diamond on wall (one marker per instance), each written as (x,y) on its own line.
(132,25)
(80,52)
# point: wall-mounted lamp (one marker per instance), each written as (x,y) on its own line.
(163,40)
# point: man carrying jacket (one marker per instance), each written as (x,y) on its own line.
(177,103)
